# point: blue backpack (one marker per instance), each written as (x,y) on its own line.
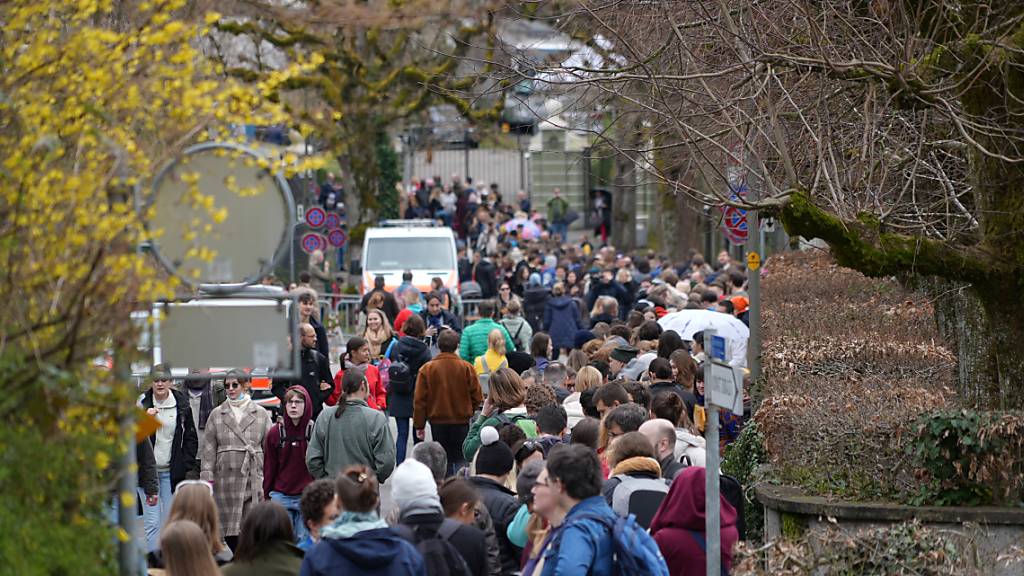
(635,552)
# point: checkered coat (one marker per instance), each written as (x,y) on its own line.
(233,461)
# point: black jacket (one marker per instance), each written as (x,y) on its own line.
(148,480)
(415,353)
(534,302)
(468,540)
(613,289)
(184,464)
(315,368)
(323,346)
(390,306)
(502,505)
(484,274)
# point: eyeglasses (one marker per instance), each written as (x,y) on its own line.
(232,385)
(295,402)
(505,288)
(198,482)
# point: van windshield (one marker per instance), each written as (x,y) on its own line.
(409,254)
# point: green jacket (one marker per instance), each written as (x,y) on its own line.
(557,210)
(360,436)
(472,442)
(275,559)
(474,339)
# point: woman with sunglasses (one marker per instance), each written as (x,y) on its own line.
(233,453)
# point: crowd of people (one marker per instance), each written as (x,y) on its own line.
(534,436)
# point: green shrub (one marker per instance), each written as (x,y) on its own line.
(968,458)
(54,491)
(744,460)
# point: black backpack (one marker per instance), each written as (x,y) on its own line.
(400,376)
(439,556)
(284,440)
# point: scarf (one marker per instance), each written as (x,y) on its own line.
(351,523)
(376,340)
(637,464)
(203,389)
(238,406)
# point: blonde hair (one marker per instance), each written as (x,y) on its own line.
(194,502)
(506,389)
(558,289)
(588,377)
(185,552)
(496,341)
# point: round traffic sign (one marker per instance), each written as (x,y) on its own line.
(337,237)
(312,242)
(315,217)
(734,225)
(333,221)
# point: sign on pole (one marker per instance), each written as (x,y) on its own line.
(311,242)
(333,221)
(315,217)
(337,238)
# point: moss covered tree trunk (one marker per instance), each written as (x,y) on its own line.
(981,311)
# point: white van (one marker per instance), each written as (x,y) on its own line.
(418,246)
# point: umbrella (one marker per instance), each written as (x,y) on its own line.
(530,229)
(689,322)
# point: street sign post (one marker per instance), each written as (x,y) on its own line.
(316,217)
(333,221)
(337,238)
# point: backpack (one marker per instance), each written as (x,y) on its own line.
(522,420)
(485,378)
(440,557)
(283,440)
(639,497)
(634,552)
(400,377)
(731,489)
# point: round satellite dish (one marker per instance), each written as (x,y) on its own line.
(192,235)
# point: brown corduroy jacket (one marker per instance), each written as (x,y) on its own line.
(447,391)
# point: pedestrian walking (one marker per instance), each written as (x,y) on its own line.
(411,353)
(351,433)
(315,372)
(358,542)
(504,405)
(378,334)
(188,553)
(233,454)
(447,394)
(285,475)
(319,505)
(193,501)
(494,463)
(679,526)
(308,315)
(175,442)
(517,326)
(357,356)
(474,337)
(561,319)
(266,544)
(452,547)
(558,215)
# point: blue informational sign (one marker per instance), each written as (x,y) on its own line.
(718,348)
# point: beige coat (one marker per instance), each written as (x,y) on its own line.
(233,461)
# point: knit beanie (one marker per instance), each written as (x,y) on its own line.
(412,482)
(582,337)
(495,457)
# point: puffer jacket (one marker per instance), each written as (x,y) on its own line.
(415,353)
(561,321)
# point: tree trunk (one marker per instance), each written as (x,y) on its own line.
(624,204)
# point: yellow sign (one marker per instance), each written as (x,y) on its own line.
(145,426)
(753,260)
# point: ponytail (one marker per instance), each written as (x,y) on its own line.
(353,380)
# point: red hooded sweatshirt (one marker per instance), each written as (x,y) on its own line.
(378,398)
(284,463)
(680,521)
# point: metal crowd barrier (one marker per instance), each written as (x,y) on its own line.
(341,312)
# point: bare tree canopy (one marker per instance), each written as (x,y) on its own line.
(892,130)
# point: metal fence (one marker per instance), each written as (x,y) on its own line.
(340,313)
